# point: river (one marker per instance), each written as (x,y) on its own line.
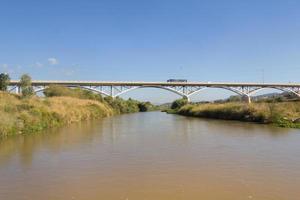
(152,156)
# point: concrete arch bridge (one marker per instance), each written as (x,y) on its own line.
(183,89)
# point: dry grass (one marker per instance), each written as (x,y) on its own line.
(19,116)
(283,113)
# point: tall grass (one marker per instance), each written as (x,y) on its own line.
(281,113)
(119,105)
(18,115)
(60,106)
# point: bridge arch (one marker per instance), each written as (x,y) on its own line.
(246,94)
(236,91)
(276,88)
(152,86)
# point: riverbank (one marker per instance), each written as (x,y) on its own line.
(20,115)
(283,114)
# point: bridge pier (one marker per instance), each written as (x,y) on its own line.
(112,91)
(188,99)
(247,99)
(17,90)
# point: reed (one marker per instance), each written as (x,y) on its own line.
(284,114)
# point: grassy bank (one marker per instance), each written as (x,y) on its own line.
(60,106)
(118,105)
(284,114)
(18,115)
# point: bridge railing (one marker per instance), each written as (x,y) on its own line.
(183,89)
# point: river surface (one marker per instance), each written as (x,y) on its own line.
(152,156)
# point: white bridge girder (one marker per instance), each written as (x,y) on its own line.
(185,90)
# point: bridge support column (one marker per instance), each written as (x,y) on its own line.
(17,90)
(247,99)
(112,91)
(187,98)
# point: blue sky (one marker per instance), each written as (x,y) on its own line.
(153,40)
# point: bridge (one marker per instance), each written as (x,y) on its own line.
(183,89)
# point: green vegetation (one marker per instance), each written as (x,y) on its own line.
(61,105)
(147,106)
(25,85)
(4,81)
(173,107)
(284,114)
(268,98)
(58,91)
(118,104)
(26,115)
(179,103)
(129,106)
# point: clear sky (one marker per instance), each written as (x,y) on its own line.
(151,40)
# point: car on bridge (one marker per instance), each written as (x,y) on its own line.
(177,80)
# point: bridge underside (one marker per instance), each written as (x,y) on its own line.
(185,91)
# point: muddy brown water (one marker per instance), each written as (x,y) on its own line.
(152,156)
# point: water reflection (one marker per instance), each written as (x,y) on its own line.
(54,140)
(111,129)
(152,155)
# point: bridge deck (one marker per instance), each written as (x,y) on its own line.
(142,83)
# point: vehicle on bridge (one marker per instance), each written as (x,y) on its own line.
(176,80)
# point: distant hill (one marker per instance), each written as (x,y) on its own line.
(165,106)
(284,96)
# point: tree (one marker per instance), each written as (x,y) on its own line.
(145,106)
(234,98)
(25,85)
(179,103)
(4,81)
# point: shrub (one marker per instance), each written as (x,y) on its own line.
(25,85)
(57,90)
(179,103)
(145,106)
(4,81)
